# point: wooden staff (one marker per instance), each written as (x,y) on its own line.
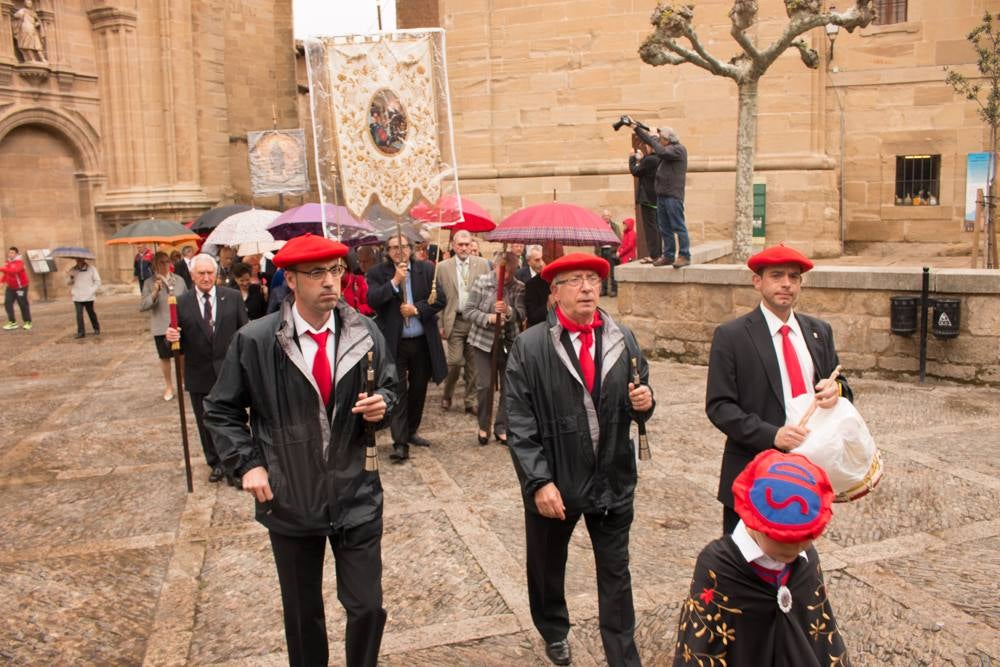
(402,288)
(176,349)
(814,404)
(432,299)
(644,453)
(498,332)
(371,449)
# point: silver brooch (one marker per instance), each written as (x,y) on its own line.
(784,599)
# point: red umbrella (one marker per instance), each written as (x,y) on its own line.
(476,219)
(554,221)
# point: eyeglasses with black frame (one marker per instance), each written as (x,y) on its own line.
(320,272)
(393,248)
(576,281)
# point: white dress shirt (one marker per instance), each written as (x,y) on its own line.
(752,552)
(774,324)
(309,346)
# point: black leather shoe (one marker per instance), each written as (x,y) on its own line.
(217,474)
(470,410)
(419,442)
(79,334)
(400,452)
(235,482)
(483,439)
(97,332)
(558,652)
(502,439)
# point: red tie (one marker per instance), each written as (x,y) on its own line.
(586,332)
(321,365)
(792,362)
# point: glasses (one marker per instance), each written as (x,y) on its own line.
(576,281)
(392,248)
(319,273)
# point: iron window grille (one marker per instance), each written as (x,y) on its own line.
(918,179)
(890,11)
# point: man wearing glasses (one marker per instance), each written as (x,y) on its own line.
(397,291)
(301,372)
(570,401)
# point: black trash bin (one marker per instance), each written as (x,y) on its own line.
(946,314)
(903,315)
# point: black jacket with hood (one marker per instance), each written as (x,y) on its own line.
(314,458)
(558,432)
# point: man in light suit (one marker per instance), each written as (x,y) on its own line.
(397,291)
(207,318)
(760,361)
(456,276)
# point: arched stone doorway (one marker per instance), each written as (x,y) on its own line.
(45,195)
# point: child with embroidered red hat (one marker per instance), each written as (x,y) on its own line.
(757,597)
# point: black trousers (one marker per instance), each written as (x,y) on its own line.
(547,541)
(413,363)
(357,554)
(652,231)
(729,520)
(21,296)
(89,307)
(207,446)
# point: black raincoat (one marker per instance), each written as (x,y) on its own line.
(558,432)
(314,460)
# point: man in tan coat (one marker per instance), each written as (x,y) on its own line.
(456,276)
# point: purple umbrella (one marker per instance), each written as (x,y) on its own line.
(306,219)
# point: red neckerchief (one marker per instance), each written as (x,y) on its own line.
(586,332)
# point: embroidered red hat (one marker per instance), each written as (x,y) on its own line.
(779,254)
(308,248)
(576,261)
(783,495)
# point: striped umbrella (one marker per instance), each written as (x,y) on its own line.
(554,221)
(152,231)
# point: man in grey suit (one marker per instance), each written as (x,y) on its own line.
(456,276)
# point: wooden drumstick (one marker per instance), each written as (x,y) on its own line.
(814,404)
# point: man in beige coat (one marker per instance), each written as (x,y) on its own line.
(456,276)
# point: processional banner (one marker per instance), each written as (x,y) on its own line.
(277,162)
(381,119)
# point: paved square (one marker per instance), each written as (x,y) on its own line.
(104,559)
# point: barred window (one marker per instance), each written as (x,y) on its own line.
(890,11)
(918,179)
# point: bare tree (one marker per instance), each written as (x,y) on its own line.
(673,22)
(986,42)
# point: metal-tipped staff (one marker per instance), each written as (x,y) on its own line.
(176,350)
(371,448)
(644,453)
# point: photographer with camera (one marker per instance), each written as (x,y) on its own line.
(642,163)
(671,175)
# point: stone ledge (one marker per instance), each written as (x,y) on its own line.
(943,281)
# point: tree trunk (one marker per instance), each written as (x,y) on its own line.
(990,254)
(746,149)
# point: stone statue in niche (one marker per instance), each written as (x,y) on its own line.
(28,33)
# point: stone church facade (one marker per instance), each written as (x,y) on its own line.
(136,109)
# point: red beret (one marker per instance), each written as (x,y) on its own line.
(576,261)
(783,495)
(779,254)
(308,248)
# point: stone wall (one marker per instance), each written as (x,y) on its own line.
(674,314)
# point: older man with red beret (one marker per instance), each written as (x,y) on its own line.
(301,373)
(760,361)
(570,399)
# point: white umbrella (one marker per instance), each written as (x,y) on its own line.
(258,247)
(239,228)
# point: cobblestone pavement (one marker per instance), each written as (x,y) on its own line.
(104,559)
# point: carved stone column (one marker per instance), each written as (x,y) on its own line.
(8,59)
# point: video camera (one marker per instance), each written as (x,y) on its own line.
(628,120)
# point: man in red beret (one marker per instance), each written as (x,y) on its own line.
(570,401)
(301,372)
(774,612)
(760,361)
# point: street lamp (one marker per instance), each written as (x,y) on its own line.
(832,30)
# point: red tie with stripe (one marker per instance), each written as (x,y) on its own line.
(321,366)
(792,362)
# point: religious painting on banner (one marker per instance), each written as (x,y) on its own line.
(277,162)
(381,119)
